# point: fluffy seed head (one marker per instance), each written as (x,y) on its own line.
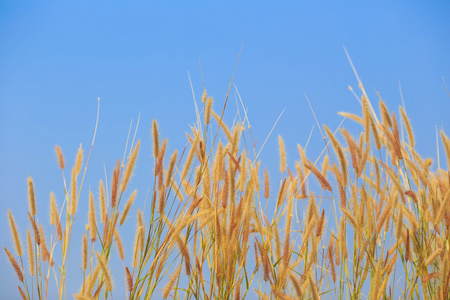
(353,149)
(322,180)
(385,114)
(407,247)
(155,139)
(433,257)
(184,250)
(104,268)
(287,239)
(384,216)
(208,111)
(73,201)
(92,219)
(22,293)
(320,225)
(115,183)
(266,184)
(102,201)
(79,160)
(173,159)
(59,229)
(189,158)
(282,154)
(204,96)
(169,286)
(313,287)
(129,279)
(31,199)
(119,245)
(37,236)
(15,265)
(408,127)
(127,207)
(60,157)
(44,249)
(443,208)
(446,142)
(15,234)
(130,166)
(30,253)
(53,209)
(224,127)
(84,252)
(376,136)
(159,162)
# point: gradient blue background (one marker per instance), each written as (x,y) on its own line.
(57,58)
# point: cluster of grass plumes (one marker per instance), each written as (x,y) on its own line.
(211,233)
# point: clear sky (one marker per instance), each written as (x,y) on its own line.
(58,57)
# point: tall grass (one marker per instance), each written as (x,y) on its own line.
(209,232)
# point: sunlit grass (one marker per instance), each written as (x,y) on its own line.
(211,233)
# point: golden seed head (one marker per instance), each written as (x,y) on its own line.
(60,157)
(102,201)
(44,249)
(173,159)
(433,257)
(115,184)
(159,161)
(385,114)
(130,166)
(31,198)
(129,279)
(287,240)
(320,225)
(204,96)
(30,253)
(92,219)
(79,160)
(446,142)
(282,154)
(155,139)
(408,127)
(322,180)
(313,286)
(208,111)
(15,234)
(84,252)
(15,265)
(169,285)
(53,209)
(24,297)
(119,245)
(73,201)
(223,126)
(266,184)
(127,207)
(59,229)
(37,235)
(407,247)
(189,158)
(104,267)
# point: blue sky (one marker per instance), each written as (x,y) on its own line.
(57,58)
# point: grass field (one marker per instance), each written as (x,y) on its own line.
(368,219)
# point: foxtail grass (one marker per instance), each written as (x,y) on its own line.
(368,219)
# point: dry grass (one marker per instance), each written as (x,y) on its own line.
(375,228)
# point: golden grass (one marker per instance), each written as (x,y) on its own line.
(207,211)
